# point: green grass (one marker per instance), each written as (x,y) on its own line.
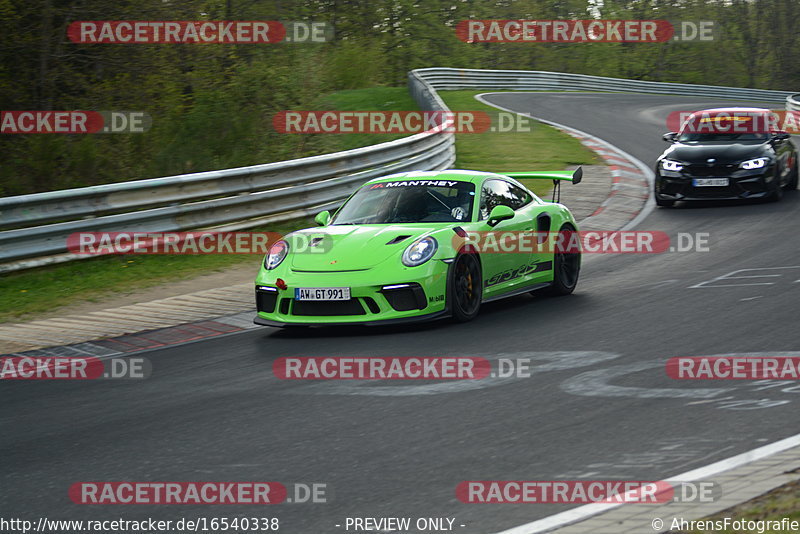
(775,505)
(543,148)
(32,293)
(36,291)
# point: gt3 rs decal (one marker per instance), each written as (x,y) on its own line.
(524,270)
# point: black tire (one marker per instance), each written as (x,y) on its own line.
(566,269)
(664,203)
(465,287)
(792,183)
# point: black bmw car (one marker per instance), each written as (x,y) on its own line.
(711,158)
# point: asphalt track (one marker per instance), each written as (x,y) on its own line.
(598,406)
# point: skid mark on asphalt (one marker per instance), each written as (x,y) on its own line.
(594,383)
(597,383)
(551,361)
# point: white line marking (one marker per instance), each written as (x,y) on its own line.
(583,512)
(754,276)
(653,285)
(729,276)
(738,285)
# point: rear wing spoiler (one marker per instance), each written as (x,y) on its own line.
(557,176)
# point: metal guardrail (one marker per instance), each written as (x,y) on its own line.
(522,80)
(35,227)
(793,102)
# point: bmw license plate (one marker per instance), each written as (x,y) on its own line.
(710,182)
(322,293)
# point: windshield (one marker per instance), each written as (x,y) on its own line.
(726,137)
(409,201)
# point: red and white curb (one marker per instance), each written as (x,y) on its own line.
(139,326)
(149,339)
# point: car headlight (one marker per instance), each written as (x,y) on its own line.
(751,164)
(420,251)
(277,252)
(670,165)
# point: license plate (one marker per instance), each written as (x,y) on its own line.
(322,293)
(710,182)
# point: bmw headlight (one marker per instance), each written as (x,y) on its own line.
(420,251)
(751,164)
(277,252)
(670,165)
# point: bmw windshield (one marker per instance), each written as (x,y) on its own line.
(409,201)
(721,137)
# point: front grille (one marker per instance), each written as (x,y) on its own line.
(743,187)
(308,308)
(406,298)
(265,301)
(712,192)
(372,305)
(756,186)
(671,187)
(329,271)
(710,170)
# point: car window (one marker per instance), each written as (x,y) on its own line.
(409,201)
(690,137)
(501,193)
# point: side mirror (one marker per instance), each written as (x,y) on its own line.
(323,218)
(669,137)
(499,213)
(780,136)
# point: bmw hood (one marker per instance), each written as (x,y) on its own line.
(351,247)
(723,153)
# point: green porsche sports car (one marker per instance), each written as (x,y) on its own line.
(413,247)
